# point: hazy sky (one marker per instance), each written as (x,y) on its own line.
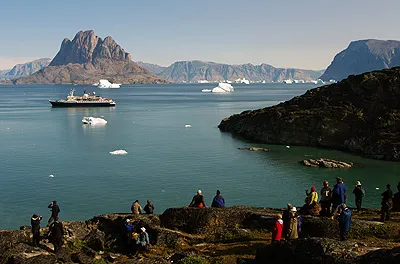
(291,33)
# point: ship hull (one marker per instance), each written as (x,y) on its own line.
(81,104)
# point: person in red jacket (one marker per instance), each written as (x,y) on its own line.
(277,232)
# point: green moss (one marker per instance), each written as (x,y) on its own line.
(193,260)
(75,245)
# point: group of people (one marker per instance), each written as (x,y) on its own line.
(198,200)
(137,209)
(137,240)
(55,233)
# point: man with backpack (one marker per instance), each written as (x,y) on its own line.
(344,218)
(218,201)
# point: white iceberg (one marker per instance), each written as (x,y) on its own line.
(90,120)
(188,126)
(206,91)
(118,152)
(51,176)
(107,84)
(223,88)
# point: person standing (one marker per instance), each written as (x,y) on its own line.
(387,203)
(286,220)
(359,193)
(55,210)
(136,208)
(396,199)
(35,223)
(198,200)
(326,195)
(142,242)
(344,218)
(338,193)
(56,234)
(218,200)
(277,231)
(293,225)
(149,207)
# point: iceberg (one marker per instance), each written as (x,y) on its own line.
(118,152)
(107,84)
(223,88)
(206,91)
(90,120)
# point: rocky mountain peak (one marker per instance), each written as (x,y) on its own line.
(86,47)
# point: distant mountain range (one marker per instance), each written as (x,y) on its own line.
(363,56)
(25,69)
(193,71)
(88,58)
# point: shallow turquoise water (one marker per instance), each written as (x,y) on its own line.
(166,162)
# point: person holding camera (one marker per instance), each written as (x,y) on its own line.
(35,223)
(55,210)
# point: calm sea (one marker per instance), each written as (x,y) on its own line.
(166,161)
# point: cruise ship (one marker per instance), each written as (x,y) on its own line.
(86,100)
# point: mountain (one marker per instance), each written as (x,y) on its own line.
(28,68)
(193,71)
(3,74)
(360,114)
(153,68)
(363,56)
(88,58)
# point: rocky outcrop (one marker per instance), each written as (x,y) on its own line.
(363,56)
(256,149)
(193,71)
(360,114)
(153,68)
(327,163)
(87,59)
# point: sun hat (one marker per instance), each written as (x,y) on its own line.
(199,192)
(358,183)
(313,188)
(143,229)
(128,220)
(293,209)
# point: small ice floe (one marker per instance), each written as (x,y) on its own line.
(188,126)
(90,120)
(118,152)
(51,176)
(377,188)
(287,146)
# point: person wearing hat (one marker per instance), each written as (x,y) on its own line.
(35,223)
(311,206)
(198,200)
(387,203)
(338,193)
(142,242)
(359,193)
(128,230)
(277,231)
(325,202)
(293,225)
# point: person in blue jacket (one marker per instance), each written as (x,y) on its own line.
(344,218)
(218,200)
(338,193)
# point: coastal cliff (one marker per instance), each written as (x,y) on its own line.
(236,234)
(363,56)
(360,114)
(88,58)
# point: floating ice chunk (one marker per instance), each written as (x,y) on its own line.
(118,152)
(287,146)
(377,188)
(51,176)
(188,126)
(90,120)
(206,91)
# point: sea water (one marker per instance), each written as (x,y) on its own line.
(173,149)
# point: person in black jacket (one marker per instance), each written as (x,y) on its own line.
(54,212)
(35,223)
(387,203)
(56,235)
(149,207)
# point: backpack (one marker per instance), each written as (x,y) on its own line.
(218,202)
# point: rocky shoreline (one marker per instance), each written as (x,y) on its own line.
(190,235)
(360,114)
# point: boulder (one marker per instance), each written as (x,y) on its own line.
(95,240)
(327,163)
(256,149)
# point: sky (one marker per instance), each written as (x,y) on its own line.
(297,34)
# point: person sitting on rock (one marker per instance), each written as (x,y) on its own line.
(286,220)
(142,242)
(293,225)
(325,202)
(343,215)
(136,208)
(311,206)
(198,200)
(278,228)
(56,235)
(35,223)
(396,199)
(149,207)
(218,200)
(359,193)
(387,203)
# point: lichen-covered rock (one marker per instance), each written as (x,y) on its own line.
(327,163)
(360,114)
